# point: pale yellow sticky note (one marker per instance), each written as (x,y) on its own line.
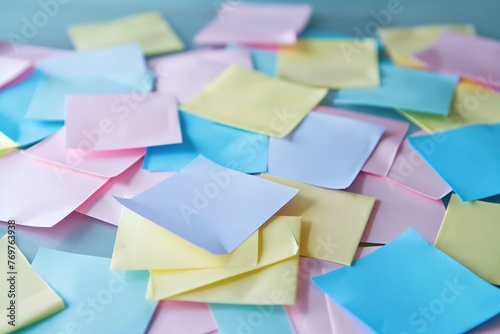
(472,104)
(142,245)
(402,43)
(33,299)
(244,285)
(255,102)
(333,221)
(330,63)
(6,144)
(149,29)
(470,234)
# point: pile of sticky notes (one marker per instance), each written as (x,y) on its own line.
(239,197)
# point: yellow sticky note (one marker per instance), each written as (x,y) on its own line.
(149,29)
(277,269)
(402,43)
(6,144)
(330,63)
(332,221)
(255,102)
(472,104)
(470,234)
(142,245)
(34,299)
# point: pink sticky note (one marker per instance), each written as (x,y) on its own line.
(478,63)
(182,318)
(186,74)
(311,314)
(11,69)
(413,172)
(242,22)
(27,52)
(35,193)
(382,157)
(396,209)
(106,163)
(118,122)
(134,180)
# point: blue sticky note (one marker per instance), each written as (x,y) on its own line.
(48,102)
(14,102)
(263,61)
(467,158)
(407,89)
(255,319)
(97,300)
(411,287)
(210,206)
(233,148)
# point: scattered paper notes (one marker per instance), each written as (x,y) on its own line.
(325,150)
(466,158)
(30,299)
(255,102)
(404,88)
(403,285)
(204,205)
(255,23)
(470,235)
(402,42)
(149,29)
(327,63)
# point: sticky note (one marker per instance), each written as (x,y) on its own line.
(404,88)
(255,23)
(413,172)
(151,120)
(132,181)
(149,29)
(25,196)
(264,61)
(11,68)
(472,104)
(186,74)
(443,297)
(104,164)
(381,159)
(325,150)
(204,202)
(33,298)
(276,270)
(469,235)
(477,64)
(465,158)
(230,147)
(402,42)
(255,319)
(330,63)
(14,102)
(255,102)
(178,317)
(396,209)
(332,221)
(139,241)
(94,295)
(28,52)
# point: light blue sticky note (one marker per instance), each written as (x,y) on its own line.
(212,207)
(255,319)
(467,158)
(407,89)
(411,287)
(48,102)
(227,146)
(324,150)
(14,102)
(97,300)
(263,61)
(122,58)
